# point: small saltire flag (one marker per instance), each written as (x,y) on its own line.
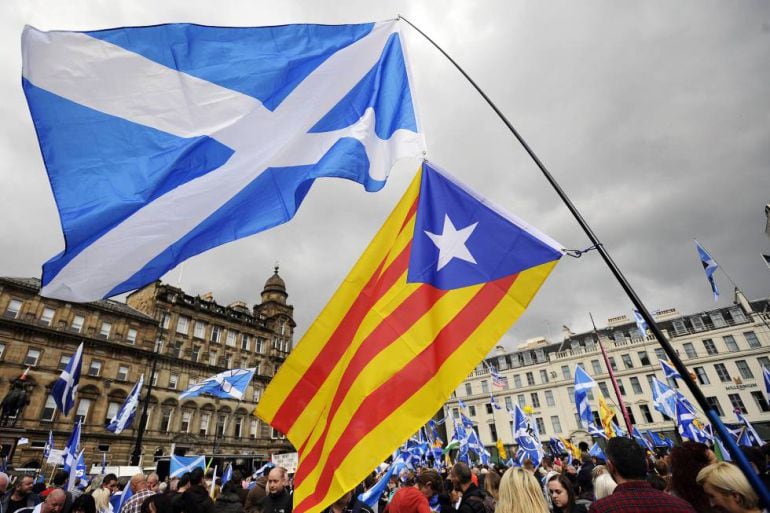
(641,439)
(183,464)
(709,266)
(227,475)
(619,431)
(766,376)
(607,417)
(494,403)
(173,139)
(664,398)
(435,290)
(127,411)
(669,371)
(461,404)
(371,496)
(230,384)
(498,381)
(71,449)
(75,470)
(596,431)
(65,388)
(685,421)
(749,436)
(596,451)
(48,446)
(263,469)
(641,324)
(583,384)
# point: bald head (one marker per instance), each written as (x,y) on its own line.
(4,480)
(54,502)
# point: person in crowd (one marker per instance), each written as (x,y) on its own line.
(239,490)
(492,487)
(196,498)
(228,500)
(254,498)
(278,499)
(758,461)
(103,493)
(53,503)
(4,482)
(431,485)
(21,496)
(84,504)
(157,503)
(585,485)
(661,469)
(563,496)
(182,485)
(348,503)
(604,485)
(409,499)
(140,492)
(153,482)
(686,461)
(627,464)
(472,500)
(728,489)
(520,492)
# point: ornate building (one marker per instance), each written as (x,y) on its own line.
(184,338)
(725,350)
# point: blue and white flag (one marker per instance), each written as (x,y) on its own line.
(641,439)
(118,499)
(664,398)
(461,404)
(227,474)
(618,430)
(522,434)
(65,388)
(669,371)
(71,449)
(263,469)
(709,266)
(75,471)
(173,139)
(230,384)
(48,446)
(180,465)
(640,323)
(127,411)
(748,435)
(686,425)
(494,403)
(371,496)
(497,379)
(766,376)
(596,431)
(583,384)
(686,402)
(596,451)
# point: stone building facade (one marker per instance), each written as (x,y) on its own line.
(725,349)
(185,338)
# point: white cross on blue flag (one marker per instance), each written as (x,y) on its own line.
(230,384)
(65,388)
(173,139)
(127,411)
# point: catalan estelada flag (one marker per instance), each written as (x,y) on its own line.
(442,281)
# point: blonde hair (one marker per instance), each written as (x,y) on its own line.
(520,492)
(604,485)
(729,479)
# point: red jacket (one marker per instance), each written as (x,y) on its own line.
(408,500)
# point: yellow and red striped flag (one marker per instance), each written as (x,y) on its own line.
(444,278)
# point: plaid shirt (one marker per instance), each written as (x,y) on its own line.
(640,497)
(134,503)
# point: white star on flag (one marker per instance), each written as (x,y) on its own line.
(451,243)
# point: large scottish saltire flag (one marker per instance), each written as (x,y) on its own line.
(441,282)
(230,384)
(125,415)
(162,142)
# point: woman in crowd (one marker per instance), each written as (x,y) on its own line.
(563,496)
(686,461)
(728,489)
(520,493)
(492,487)
(604,485)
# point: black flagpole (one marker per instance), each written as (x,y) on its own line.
(711,413)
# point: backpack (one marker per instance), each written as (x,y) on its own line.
(479,505)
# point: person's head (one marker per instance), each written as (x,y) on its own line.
(84,504)
(604,485)
(183,483)
(492,484)
(23,486)
(460,476)
(686,461)
(276,480)
(344,500)
(54,501)
(158,503)
(520,492)
(429,482)
(661,467)
(755,457)
(138,483)
(626,459)
(726,487)
(547,462)
(4,480)
(561,492)
(196,476)
(110,482)
(598,470)
(153,480)
(59,478)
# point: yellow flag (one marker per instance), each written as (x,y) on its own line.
(501,449)
(606,414)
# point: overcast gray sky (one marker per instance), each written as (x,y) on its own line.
(654,116)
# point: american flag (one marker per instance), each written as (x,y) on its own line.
(498,380)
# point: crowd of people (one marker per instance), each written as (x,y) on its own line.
(688,479)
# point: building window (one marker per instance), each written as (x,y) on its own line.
(493,432)
(549,400)
(660,354)
(216,333)
(196,350)
(521,400)
(47,318)
(737,402)
(112,410)
(508,403)
(763,361)
(260,347)
(471,411)
(535,400)
(276,435)
(744,370)
(530,379)
(700,374)
(200,329)
(752,339)
(165,420)
(468,389)
(718,319)
(253,429)
(604,389)
(203,427)
(646,413)
(761,402)
(543,376)
(731,344)
(630,415)
(484,386)
(635,385)
(621,387)
(596,366)
(238,427)
(82,412)
(679,327)
(131,336)
(105,330)
(257,395)
(571,394)
(186,421)
(517,381)
(77,323)
(710,347)
(95,368)
(565,373)
(643,358)
(2,351)
(540,425)
(49,410)
(182,325)
(737,314)
(697,323)
(213,358)
(155,378)
(230,340)
(64,360)
(245,342)
(489,409)
(724,376)
(555,423)
(173,381)
(713,402)
(627,361)
(122,373)
(613,365)
(33,356)
(689,350)
(13,309)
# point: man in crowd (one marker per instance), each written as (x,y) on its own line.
(104,492)
(140,492)
(626,462)
(278,499)
(53,503)
(196,499)
(21,496)
(462,481)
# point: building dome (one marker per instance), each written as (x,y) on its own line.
(275,288)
